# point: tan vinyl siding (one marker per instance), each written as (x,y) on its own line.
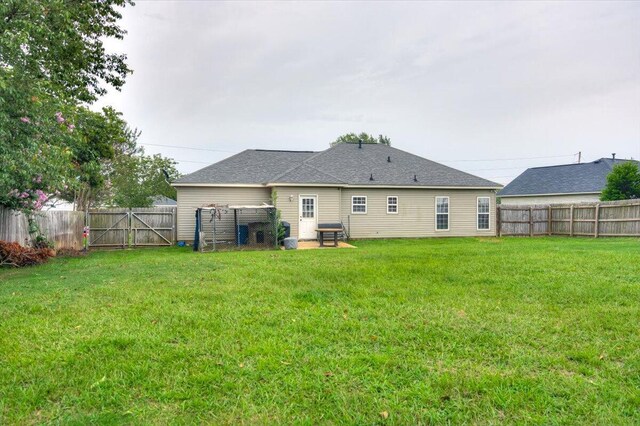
(288,203)
(190,198)
(551,199)
(416,213)
(415,217)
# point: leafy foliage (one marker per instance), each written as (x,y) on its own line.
(623,183)
(60,44)
(52,62)
(136,178)
(277,217)
(362,137)
(102,138)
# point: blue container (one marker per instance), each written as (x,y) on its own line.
(243,234)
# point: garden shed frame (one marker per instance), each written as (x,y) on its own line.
(264,216)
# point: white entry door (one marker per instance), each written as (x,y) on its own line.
(308,217)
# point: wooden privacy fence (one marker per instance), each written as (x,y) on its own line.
(63,228)
(137,227)
(155,226)
(603,219)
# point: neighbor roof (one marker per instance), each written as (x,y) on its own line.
(342,164)
(161,200)
(563,179)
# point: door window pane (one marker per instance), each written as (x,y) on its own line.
(308,210)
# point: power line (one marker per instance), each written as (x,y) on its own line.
(187,147)
(511,159)
(192,161)
(499,168)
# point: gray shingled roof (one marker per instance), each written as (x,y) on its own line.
(343,164)
(161,200)
(253,166)
(563,179)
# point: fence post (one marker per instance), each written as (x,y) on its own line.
(549,222)
(531,221)
(499,221)
(174,231)
(571,221)
(597,221)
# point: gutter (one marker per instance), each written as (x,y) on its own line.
(329,185)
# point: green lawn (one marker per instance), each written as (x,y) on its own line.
(543,330)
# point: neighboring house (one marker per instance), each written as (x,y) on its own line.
(376,192)
(162,201)
(567,183)
(58,204)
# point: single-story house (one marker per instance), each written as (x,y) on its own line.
(566,183)
(376,191)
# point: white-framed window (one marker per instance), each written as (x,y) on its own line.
(392,204)
(359,204)
(484,204)
(442,213)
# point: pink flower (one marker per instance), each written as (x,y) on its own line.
(24,195)
(38,179)
(42,197)
(71,127)
(25,119)
(59,117)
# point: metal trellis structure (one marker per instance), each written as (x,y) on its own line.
(236,227)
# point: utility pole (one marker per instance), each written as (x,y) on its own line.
(579,156)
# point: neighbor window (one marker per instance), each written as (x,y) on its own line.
(442,213)
(358,204)
(392,205)
(483,213)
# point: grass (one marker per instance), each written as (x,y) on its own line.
(543,330)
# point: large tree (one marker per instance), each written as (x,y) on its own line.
(101,138)
(362,137)
(136,179)
(59,44)
(52,64)
(623,182)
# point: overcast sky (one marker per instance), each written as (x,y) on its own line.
(452,82)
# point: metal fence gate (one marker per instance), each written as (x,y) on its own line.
(155,226)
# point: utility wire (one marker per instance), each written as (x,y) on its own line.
(512,159)
(192,161)
(187,147)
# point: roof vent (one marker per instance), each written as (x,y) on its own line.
(371,177)
(613,156)
(415,178)
(360,143)
(388,159)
